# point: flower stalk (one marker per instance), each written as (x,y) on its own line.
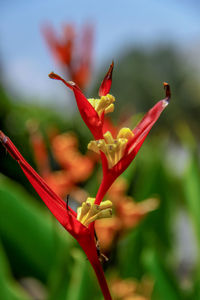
(64,214)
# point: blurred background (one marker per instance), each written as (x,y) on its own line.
(153,239)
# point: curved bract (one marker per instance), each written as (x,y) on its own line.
(62,212)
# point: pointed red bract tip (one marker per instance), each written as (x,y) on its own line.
(109,73)
(107,81)
(167,90)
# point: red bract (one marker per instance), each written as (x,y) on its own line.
(140,133)
(64,214)
(92,119)
(106,83)
(88,113)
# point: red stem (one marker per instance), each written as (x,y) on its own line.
(101,279)
(107,181)
(89,247)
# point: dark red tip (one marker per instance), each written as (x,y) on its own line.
(107,81)
(52,75)
(167,90)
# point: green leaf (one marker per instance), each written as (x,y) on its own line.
(28,234)
(128,254)
(165,284)
(9,288)
(191,188)
(61,271)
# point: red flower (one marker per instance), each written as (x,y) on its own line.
(116,154)
(92,110)
(74,54)
(61,47)
(63,213)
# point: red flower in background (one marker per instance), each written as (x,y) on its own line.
(72,52)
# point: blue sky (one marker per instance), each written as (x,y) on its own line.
(26,60)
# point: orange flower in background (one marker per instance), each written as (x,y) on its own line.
(75,167)
(72,51)
(131,289)
(131,213)
(66,153)
(39,148)
(128,214)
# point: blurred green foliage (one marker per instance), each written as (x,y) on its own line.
(34,246)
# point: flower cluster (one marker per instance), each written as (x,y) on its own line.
(116,155)
(89,211)
(116,152)
(112,148)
